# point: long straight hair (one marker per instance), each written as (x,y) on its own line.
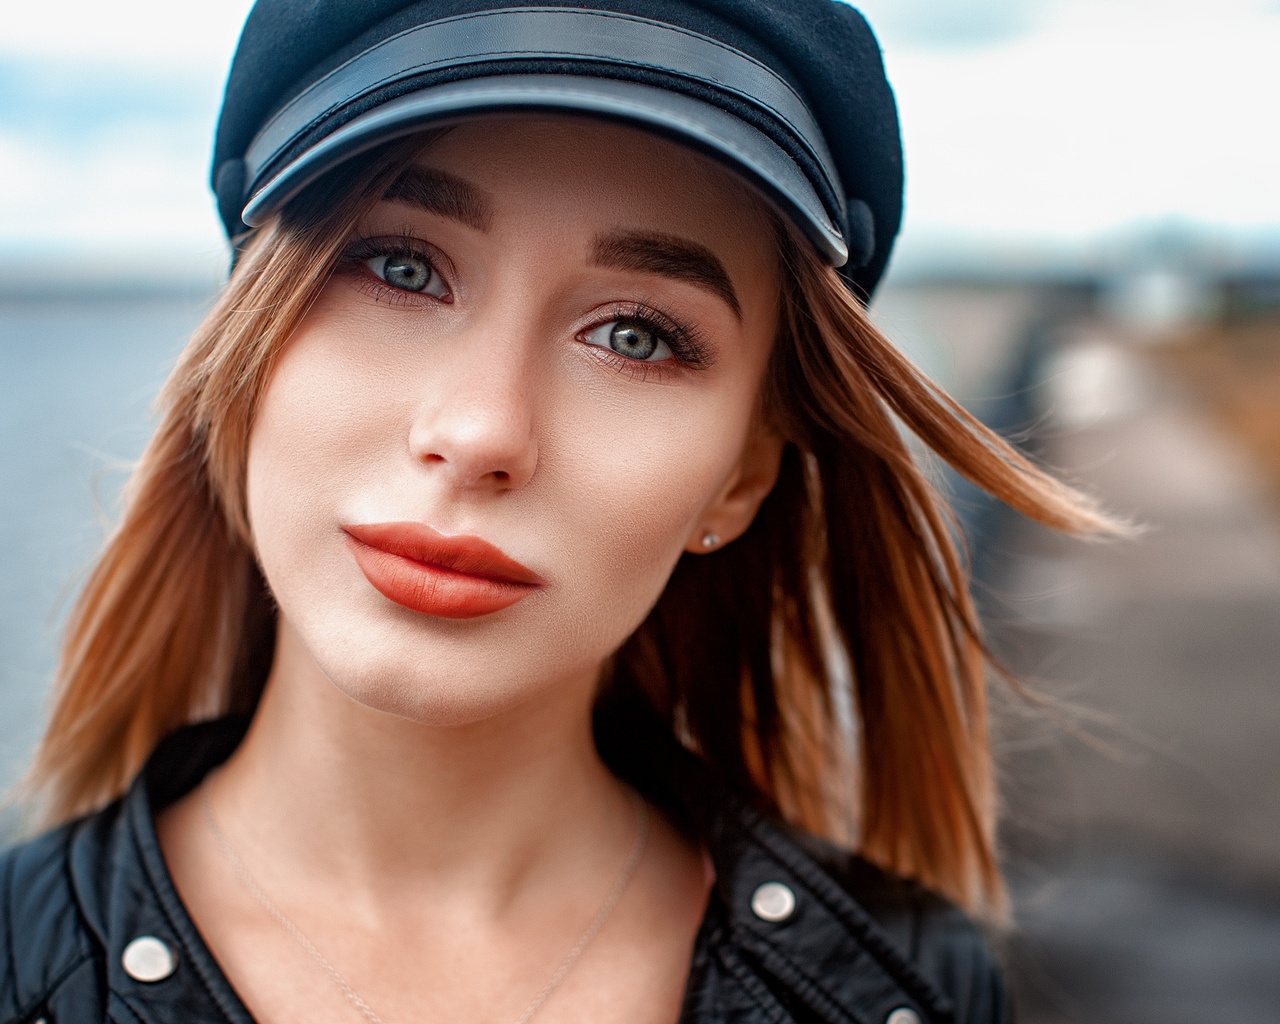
(829,662)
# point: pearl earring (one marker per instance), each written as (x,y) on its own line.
(710,540)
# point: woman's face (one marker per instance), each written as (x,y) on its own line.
(548,339)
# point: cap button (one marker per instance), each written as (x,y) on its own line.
(773,901)
(903,1015)
(148,959)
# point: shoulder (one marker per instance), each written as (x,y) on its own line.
(938,938)
(47,951)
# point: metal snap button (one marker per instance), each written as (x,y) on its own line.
(148,959)
(773,901)
(903,1015)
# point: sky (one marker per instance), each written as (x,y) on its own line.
(1035,129)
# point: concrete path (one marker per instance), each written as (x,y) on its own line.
(1144,826)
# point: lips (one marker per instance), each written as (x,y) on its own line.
(450,577)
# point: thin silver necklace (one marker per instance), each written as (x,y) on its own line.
(284,921)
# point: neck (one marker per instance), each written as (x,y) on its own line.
(350,795)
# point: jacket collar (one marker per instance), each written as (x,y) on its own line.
(828,954)
(826,960)
(125,890)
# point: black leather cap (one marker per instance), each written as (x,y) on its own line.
(792,95)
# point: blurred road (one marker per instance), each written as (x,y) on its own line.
(1145,849)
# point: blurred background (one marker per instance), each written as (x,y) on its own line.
(1090,261)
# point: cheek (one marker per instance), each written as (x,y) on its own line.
(316,430)
(634,497)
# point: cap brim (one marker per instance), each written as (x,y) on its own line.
(730,140)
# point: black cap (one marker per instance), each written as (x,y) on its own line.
(792,95)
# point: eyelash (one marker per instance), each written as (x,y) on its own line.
(362,249)
(687,345)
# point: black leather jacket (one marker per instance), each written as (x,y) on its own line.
(859,946)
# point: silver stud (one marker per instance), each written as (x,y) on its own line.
(903,1015)
(148,959)
(773,901)
(710,540)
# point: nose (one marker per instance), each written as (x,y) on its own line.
(475,422)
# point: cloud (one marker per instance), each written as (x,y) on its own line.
(1041,123)
(1073,130)
(156,32)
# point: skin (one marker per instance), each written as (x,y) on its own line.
(422,795)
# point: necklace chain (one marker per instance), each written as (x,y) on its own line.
(251,885)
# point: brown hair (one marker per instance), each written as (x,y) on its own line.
(829,662)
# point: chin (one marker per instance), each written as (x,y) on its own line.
(429,699)
(441,672)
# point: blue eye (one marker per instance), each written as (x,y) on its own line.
(408,273)
(633,339)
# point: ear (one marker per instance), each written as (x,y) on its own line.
(733,509)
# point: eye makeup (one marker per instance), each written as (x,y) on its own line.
(689,349)
(370,260)
(362,251)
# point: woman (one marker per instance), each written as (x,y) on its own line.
(529,530)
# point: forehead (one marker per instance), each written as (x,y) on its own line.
(586,175)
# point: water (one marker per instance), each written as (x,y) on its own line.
(77,379)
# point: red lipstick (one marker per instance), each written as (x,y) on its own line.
(451,577)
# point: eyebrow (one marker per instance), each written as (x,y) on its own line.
(444,194)
(668,255)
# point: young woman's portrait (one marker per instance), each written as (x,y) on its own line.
(535,603)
